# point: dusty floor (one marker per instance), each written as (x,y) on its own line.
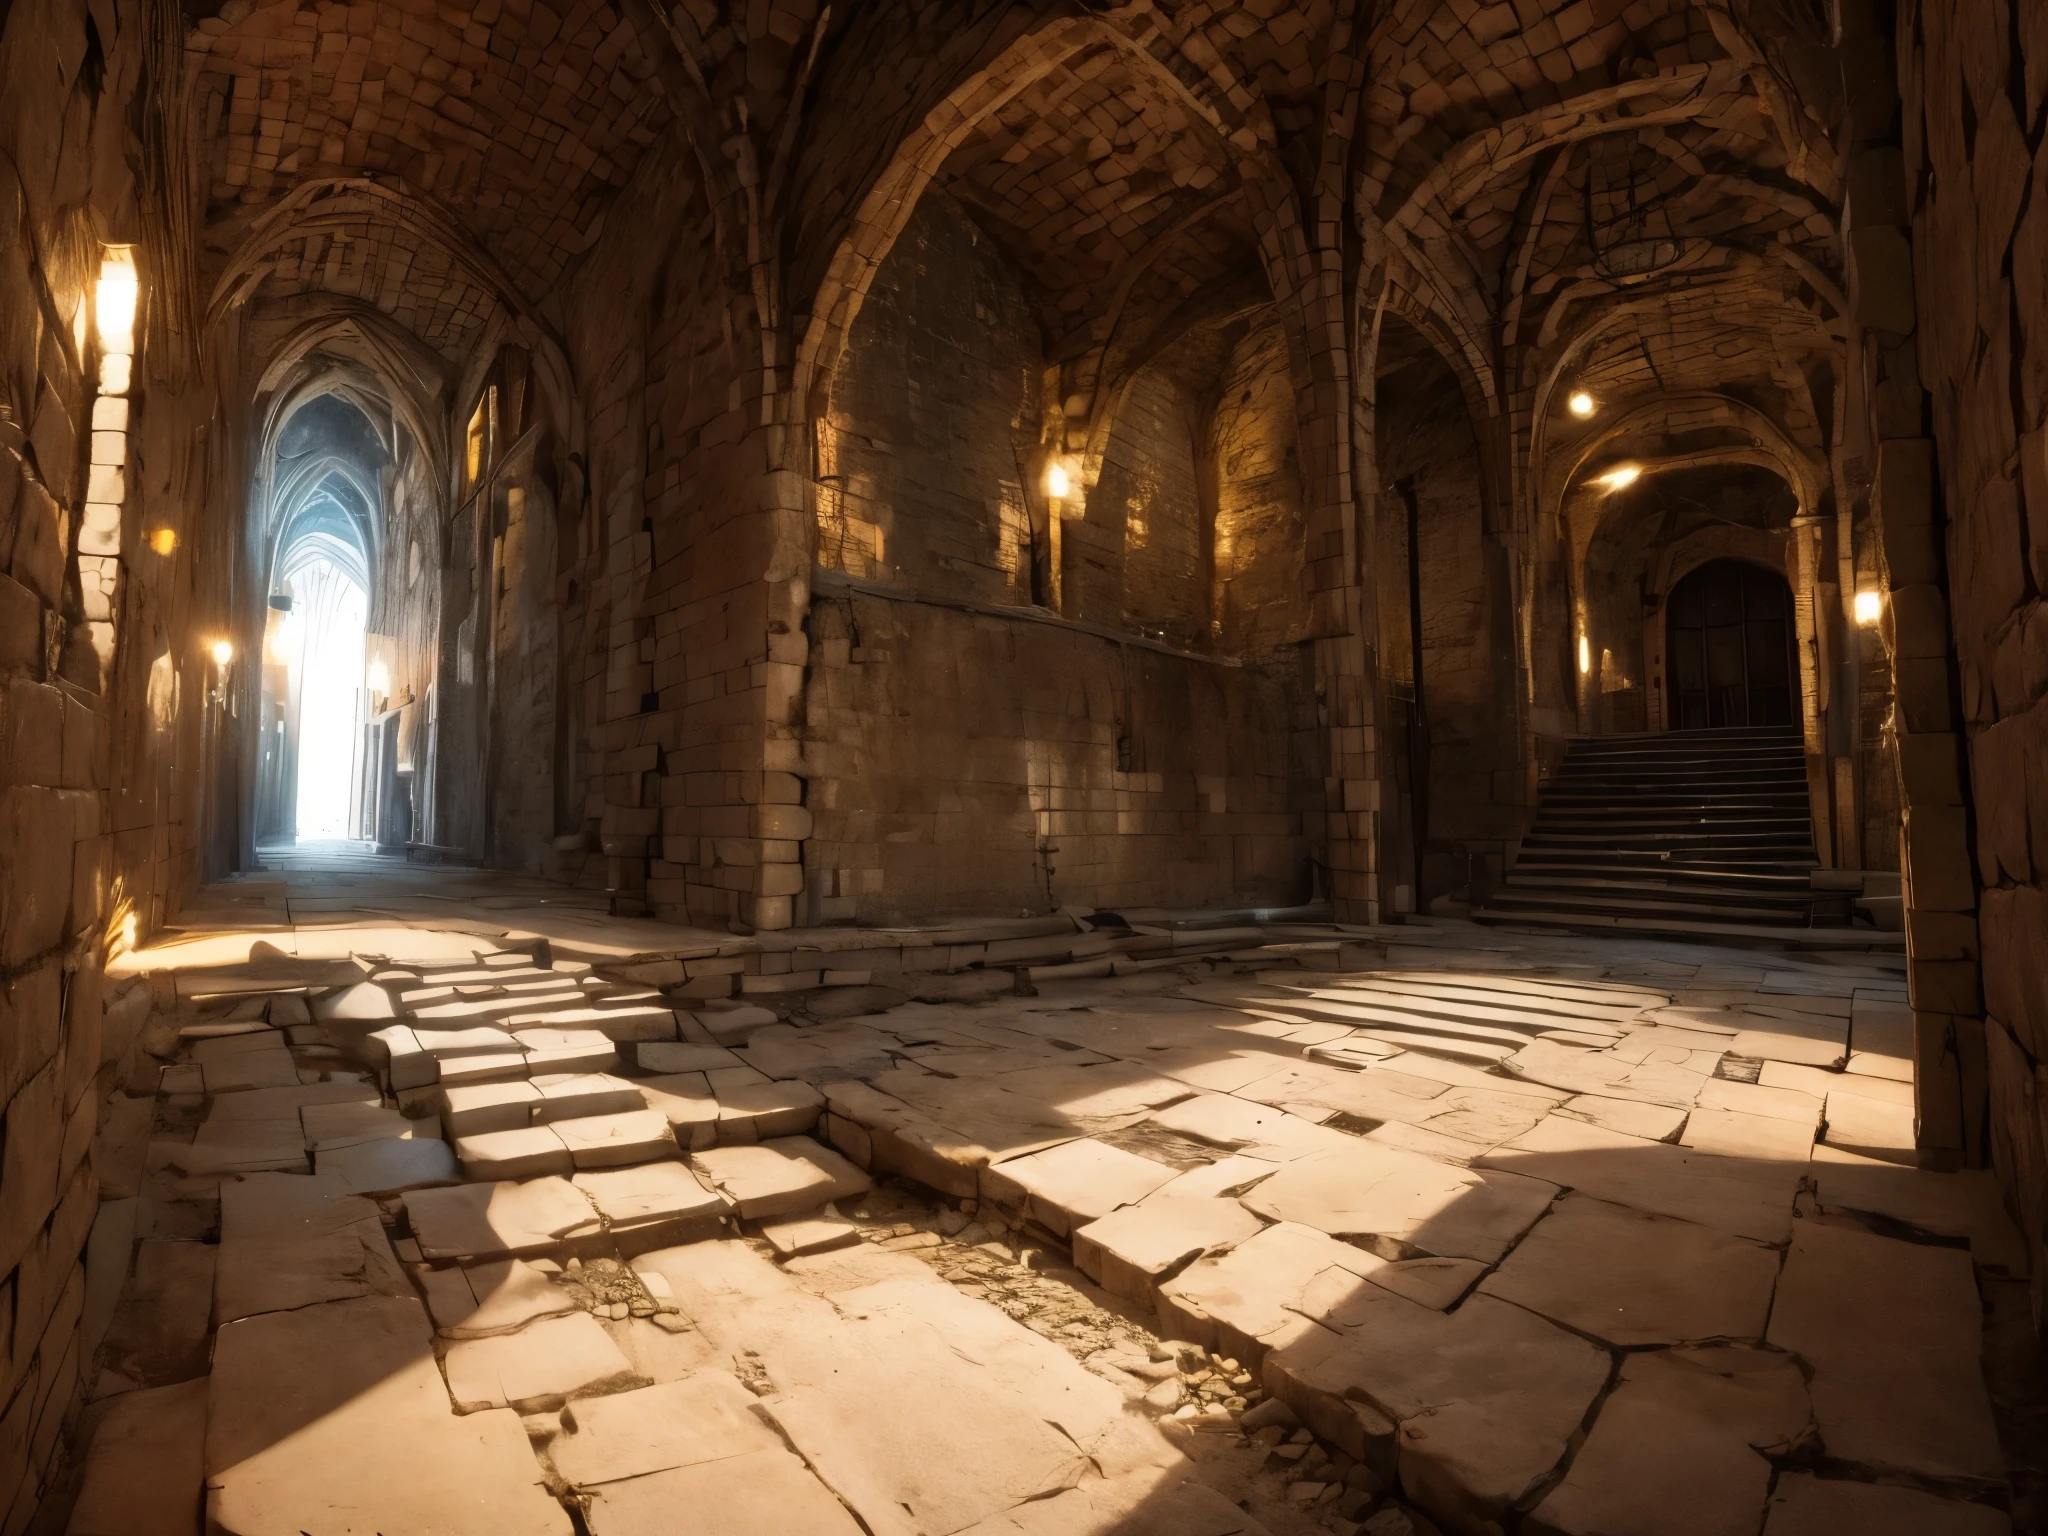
(439,1228)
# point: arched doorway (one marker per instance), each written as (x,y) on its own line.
(1728,637)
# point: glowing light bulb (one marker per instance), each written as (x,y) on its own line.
(114,298)
(1056,482)
(1581,404)
(1585,655)
(1619,479)
(1869,607)
(223,652)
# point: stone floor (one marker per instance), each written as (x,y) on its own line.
(438,1227)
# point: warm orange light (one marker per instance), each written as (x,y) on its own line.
(1619,479)
(1869,607)
(164,541)
(1056,481)
(223,652)
(114,298)
(1581,404)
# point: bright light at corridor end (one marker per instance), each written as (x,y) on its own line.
(1619,479)
(1869,607)
(113,299)
(223,652)
(1581,404)
(1056,481)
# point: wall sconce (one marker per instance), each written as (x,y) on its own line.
(1621,478)
(1869,606)
(1057,484)
(1581,404)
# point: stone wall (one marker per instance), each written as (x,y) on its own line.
(112,590)
(1977,197)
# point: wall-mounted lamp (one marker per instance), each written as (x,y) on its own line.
(1056,482)
(1581,404)
(1869,606)
(1620,479)
(223,652)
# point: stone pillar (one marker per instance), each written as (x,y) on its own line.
(1907,505)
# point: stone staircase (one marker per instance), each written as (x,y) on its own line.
(1673,828)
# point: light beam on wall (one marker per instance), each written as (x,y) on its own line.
(1621,478)
(1585,655)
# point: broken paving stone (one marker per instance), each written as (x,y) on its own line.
(763,1111)
(707,1417)
(338,1413)
(611,1141)
(1969,1205)
(1893,1332)
(397,1053)
(1400,1203)
(672,1056)
(283,1204)
(364,1000)
(541,1367)
(329,1126)
(579,1095)
(809,1234)
(685,1100)
(277,1274)
(474,1109)
(484,1221)
(569,1050)
(1789,1104)
(1737,1133)
(662,1201)
(1864,1125)
(729,1026)
(1482,1401)
(509,1294)
(1272,1286)
(780,1177)
(158,1335)
(1731,1195)
(1128,1251)
(1602,1074)
(761,1493)
(145,1474)
(391,1167)
(1632,1278)
(523,1154)
(1679,1446)
(1632,1117)
(1803,1039)
(1804,1505)
(1072,1184)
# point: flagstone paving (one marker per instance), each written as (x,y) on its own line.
(1485,1231)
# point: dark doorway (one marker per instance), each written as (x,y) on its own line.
(1728,632)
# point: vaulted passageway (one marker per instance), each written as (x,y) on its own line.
(764,516)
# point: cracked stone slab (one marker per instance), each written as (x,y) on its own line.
(276,1274)
(529,1152)
(145,1473)
(685,1100)
(490,1221)
(764,1111)
(761,1493)
(474,1109)
(1729,1194)
(1679,1446)
(706,1417)
(780,1177)
(1129,1251)
(329,1127)
(539,1368)
(579,1095)
(666,1196)
(333,1420)
(611,1141)
(1804,1505)
(1893,1332)
(1073,1183)
(1633,1278)
(1269,1288)
(1402,1203)
(391,1167)
(509,1294)
(1477,1405)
